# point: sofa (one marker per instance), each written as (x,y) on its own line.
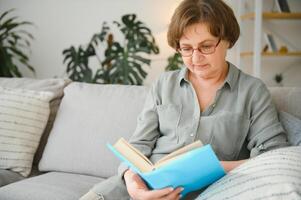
(70,156)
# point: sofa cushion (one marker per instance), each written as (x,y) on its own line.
(49,186)
(7,177)
(287,99)
(53,85)
(23,117)
(292,125)
(90,116)
(272,175)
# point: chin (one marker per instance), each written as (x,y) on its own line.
(201,70)
(202,74)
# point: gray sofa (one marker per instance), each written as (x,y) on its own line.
(72,155)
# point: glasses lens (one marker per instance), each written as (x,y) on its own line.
(186,51)
(207,49)
(204,49)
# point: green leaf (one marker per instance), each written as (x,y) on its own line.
(14,42)
(174,62)
(122,62)
(5,13)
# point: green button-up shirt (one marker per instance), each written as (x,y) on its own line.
(241,122)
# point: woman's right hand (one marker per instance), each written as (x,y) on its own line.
(138,190)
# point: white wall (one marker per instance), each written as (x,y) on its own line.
(62,23)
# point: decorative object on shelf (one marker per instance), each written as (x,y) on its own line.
(121,62)
(265,48)
(282,6)
(174,62)
(283,50)
(14,45)
(279,78)
(269,38)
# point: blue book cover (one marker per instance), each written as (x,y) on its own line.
(191,170)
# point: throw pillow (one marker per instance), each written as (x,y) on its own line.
(272,175)
(53,85)
(89,117)
(23,117)
(292,125)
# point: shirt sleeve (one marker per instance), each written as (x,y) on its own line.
(265,131)
(146,132)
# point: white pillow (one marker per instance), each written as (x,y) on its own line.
(292,126)
(272,175)
(23,117)
(91,115)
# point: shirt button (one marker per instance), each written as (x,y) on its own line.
(213,105)
(191,135)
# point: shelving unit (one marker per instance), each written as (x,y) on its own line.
(271,15)
(258,17)
(291,53)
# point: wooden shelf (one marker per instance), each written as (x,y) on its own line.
(273,15)
(294,53)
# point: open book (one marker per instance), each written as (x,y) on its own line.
(140,161)
(192,167)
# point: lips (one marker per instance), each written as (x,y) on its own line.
(200,66)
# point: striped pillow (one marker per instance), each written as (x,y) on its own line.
(23,117)
(272,175)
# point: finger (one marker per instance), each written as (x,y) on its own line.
(133,177)
(174,194)
(157,194)
(139,182)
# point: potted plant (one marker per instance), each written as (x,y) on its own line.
(121,62)
(14,45)
(174,62)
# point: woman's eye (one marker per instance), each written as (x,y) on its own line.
(185,49)
(206,46)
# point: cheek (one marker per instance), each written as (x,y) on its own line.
(187,62)
(217,58)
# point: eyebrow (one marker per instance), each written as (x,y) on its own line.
(207,40)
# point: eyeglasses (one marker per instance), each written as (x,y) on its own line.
(204,49)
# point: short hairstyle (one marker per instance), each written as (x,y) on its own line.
(216,14)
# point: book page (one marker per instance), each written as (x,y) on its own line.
(133,155)
(179,152)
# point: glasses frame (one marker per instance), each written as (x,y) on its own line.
(193,49)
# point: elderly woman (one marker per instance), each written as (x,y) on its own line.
(209,99)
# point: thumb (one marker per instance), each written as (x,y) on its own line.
(139,182)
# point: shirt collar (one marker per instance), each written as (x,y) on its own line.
(231,78)
(183,76)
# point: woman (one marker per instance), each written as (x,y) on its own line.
(210,99)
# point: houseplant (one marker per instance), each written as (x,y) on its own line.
(174,62)
(14,45)
(121,61)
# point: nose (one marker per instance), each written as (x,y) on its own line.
(197,56)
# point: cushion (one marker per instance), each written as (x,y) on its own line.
(272,175)
(91,115)
(292,125)
(23,117)
(287,99)
(7,177)
(54,85)
(49,186)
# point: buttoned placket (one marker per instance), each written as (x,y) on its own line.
(198,114)
(196,117)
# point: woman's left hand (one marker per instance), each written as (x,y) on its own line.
(229,165)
